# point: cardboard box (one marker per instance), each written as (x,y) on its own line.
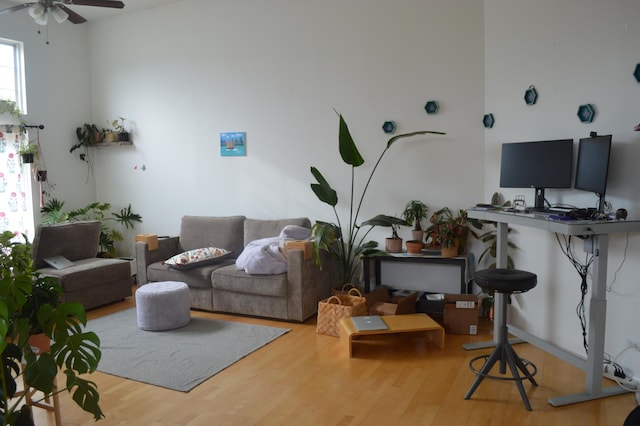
(381,301)
(306,246)
(150,239)
(461,313)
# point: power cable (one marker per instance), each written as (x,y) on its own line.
(583,269)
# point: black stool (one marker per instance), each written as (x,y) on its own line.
(507,282)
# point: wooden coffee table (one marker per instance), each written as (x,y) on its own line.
(397,324)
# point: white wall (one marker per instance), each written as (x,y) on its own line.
(574,52)
(58,96)
(185,72)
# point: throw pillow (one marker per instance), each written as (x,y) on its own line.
(197,257)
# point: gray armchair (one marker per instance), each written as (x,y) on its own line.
(91,281)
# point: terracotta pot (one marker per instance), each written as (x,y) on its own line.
(414,246)
(393,245)
(110,137)
(40,343)
(417,235)
(450,251)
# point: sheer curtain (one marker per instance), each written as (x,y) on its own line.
(16,207)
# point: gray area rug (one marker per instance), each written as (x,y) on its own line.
(177,359)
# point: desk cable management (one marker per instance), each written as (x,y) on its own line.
(582,269)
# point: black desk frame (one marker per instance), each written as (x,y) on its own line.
(377,260)
(596,234)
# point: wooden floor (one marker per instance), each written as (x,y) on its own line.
(304,378)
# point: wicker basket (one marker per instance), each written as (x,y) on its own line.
(333,309)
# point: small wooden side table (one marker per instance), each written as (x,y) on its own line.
(397,324)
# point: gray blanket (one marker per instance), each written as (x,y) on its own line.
(265,256)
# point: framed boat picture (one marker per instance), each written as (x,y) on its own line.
(233,144)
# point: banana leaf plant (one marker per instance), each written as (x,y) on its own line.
(343,240)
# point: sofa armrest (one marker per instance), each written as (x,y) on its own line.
(308,284)
(167,247)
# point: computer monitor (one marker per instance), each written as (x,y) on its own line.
(538,165)
(592,166)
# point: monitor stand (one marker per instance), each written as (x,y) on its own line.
(538,205)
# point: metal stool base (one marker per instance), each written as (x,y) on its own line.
(507,356)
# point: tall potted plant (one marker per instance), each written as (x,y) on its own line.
(29,305)
(345,243)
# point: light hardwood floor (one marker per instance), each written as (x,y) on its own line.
(304,378)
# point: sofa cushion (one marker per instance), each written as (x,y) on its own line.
(86,272)
(230,278)
(73,240)
(255,229)
(197,277)
(197,257)
(208,231)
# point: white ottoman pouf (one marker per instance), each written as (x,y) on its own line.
(163,305)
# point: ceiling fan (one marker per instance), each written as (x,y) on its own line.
(41,9)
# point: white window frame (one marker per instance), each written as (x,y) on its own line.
(18,66)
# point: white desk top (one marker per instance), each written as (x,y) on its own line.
(542,221)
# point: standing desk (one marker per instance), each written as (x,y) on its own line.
(596,241)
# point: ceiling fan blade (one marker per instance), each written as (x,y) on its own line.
(15,8)
(100,3)
(74,18)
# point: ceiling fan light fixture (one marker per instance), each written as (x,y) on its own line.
(39,13)
(59,14)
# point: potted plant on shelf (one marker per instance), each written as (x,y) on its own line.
(29,306)
(414,212)
(52,213)
(346,244)
(88,135)
(393,244)
(10,107)
(452,232)
(118,126)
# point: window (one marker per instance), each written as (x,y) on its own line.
(12,72)
(16,207)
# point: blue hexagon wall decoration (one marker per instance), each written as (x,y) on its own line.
(432,107)
(586,113)
(636,73)
(531,95)
(488,121)
(389,126)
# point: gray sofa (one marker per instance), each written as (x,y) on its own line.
(222,287)
(92,281)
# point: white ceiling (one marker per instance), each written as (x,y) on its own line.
(93,13)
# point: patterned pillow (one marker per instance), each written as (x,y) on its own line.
(197,257)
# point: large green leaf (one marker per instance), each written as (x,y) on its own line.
(408,135)
(348,150)
(322,189)
(85,394)
(384,220)
(41,373)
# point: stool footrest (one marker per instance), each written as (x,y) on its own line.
(527,374)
